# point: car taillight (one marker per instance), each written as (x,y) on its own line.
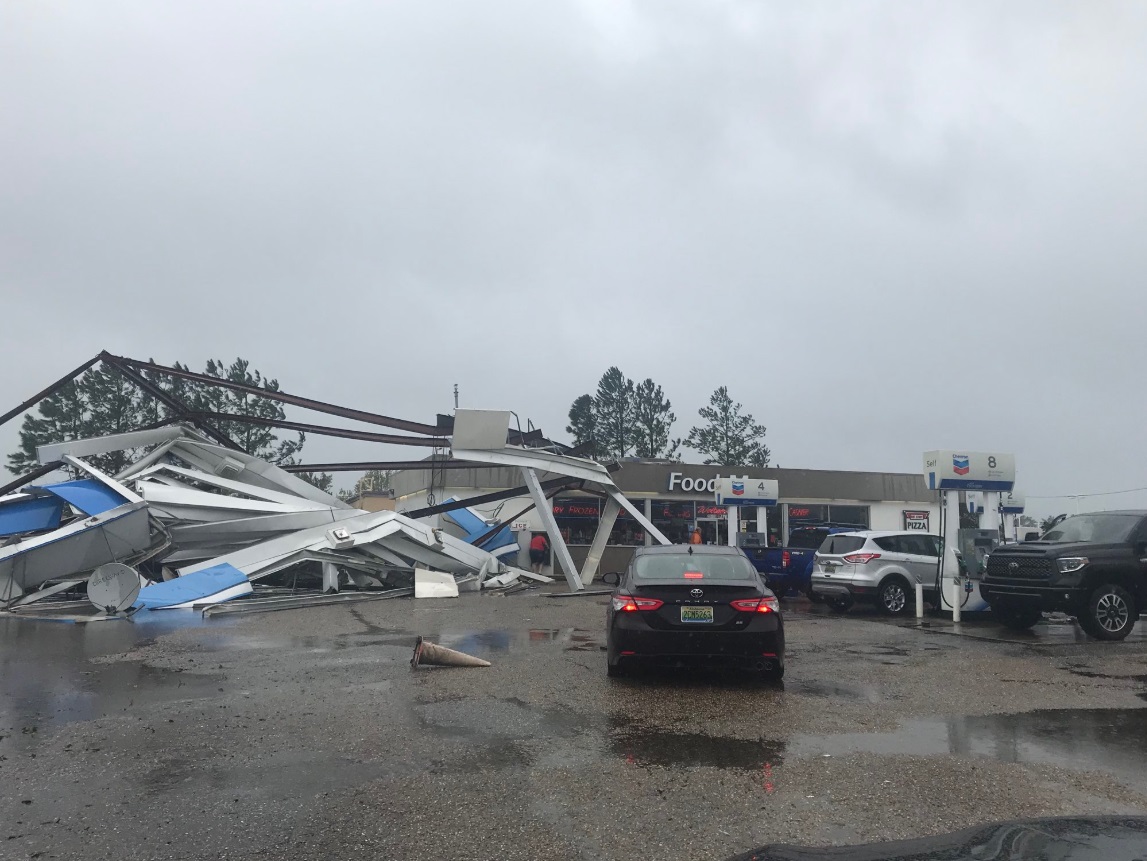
(756,605)
(861,558)
(628,604)
(694,575)
(786,557)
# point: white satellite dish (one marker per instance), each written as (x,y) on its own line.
(113,587)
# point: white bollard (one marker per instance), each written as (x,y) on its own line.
(919,600)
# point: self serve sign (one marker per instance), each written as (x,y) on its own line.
(969,470)
(746,491)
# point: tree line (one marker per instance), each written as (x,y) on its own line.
(622,419)
(101,402)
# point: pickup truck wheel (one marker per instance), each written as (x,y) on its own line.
(892,597)
(1111,613)
(841,604)
(1018,617)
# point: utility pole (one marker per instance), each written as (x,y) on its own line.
(455,397)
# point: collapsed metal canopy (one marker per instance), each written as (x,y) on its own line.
(197,501)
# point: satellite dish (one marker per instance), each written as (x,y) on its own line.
(113,587)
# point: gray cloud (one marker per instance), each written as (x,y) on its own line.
(887,227)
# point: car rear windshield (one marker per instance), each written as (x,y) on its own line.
(807,539)
(1094,529)
(837,545)
(693,566)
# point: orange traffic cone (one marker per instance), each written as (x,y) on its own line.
(426,652)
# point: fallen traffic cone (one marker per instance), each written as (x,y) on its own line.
(426,652)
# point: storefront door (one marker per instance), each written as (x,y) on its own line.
(714,530)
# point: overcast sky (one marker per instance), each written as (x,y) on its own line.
(887,227)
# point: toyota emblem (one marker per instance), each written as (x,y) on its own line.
(1013,566)
(698,593)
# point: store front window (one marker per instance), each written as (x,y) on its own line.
(819,515)
(577,518)
(627,532)
(674,518)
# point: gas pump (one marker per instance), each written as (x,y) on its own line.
(950,472)
(1012,506)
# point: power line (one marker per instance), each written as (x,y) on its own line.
(1082,495)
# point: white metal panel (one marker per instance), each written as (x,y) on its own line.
(246,488)
(99,445)
(176,497)
(105,480)
(480,429)
(208,457)
(541,461)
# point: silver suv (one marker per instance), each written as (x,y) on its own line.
(883,567)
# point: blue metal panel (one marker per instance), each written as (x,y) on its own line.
(30,515)
(87,495)
(475,526)
(191,587)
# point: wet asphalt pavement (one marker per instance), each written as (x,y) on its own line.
(304,734)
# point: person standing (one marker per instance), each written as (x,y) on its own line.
(695,538)
(539,544)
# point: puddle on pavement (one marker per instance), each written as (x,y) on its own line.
(1092,838)
(280,776)
(47,678)
(638,745)
(512,717)
(834,690)
(1109,740)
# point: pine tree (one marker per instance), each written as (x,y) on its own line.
(728,438)
(102,402)
(653,419)
(615,412)
(258,440)
(324,481)
(583,425)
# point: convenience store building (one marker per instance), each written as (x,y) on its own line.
(678,497)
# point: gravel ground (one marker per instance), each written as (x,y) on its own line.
(304,734)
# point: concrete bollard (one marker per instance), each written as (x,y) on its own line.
(919,600)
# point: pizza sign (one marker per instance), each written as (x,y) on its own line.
(916,521)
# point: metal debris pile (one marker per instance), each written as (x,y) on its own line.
(201,520)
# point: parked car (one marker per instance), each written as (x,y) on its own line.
(879,567)
(693,604)
(1091,566)
(788,569)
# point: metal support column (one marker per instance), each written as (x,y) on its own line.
(617,496)
(330,577)
(600,539)
(649,516)
(557,543)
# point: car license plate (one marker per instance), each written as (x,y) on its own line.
(829,568)
(696,614)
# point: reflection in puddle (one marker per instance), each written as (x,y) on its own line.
(47,679)
(1111,740)
(639,746)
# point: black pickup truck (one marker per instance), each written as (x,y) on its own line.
(1091,566)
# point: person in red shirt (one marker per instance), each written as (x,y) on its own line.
(538,547)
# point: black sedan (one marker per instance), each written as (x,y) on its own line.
(693,604)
